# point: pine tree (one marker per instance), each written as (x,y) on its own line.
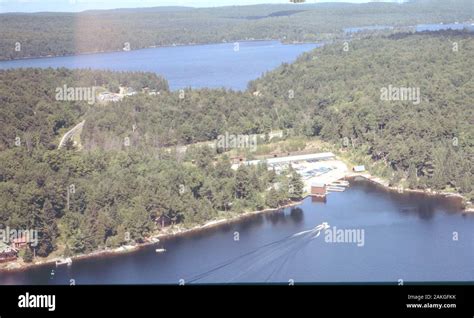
(272,199)
(412,176)
(27,255)
(243,184)
(47,229)
(296,186)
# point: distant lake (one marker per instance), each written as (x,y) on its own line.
(439,27)
(368,28)
(407,236)
(418,27)
(198,66)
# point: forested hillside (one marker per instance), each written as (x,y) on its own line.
(30,113)
(43,34)
(337,96)
(80,201)
(120,197)
(121,193)
(170,119)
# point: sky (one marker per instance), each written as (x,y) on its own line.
(81,5)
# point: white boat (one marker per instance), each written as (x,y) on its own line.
(323,226)
(160,250)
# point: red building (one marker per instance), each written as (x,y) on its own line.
(318,189)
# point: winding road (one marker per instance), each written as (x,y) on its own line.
(71,133)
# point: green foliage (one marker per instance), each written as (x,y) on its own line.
(31,115)
(338,93)
(26,255)
(125,193)
(273,198)
(44,34)
(296,186)
(166,120)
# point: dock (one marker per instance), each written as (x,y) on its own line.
(335,189)
(64,261)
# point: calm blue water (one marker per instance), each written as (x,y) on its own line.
(212,66)
(406,236)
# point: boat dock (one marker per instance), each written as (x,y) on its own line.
(335,189)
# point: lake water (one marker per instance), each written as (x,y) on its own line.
(213,66)
(447,26)
(406,236)
(368,28)
(418,27)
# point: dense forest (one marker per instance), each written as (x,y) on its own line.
(44,34)
(108,193)
(166,119)
(79,201)
(30,113)
(121,197)
(333,94)
(336,95)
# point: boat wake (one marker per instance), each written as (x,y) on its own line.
(266,261)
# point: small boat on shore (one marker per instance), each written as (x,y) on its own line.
(154,240)
(160,250)
(64,261)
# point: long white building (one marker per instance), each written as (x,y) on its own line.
(288,159)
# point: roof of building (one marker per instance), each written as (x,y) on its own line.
(312,156)
(359,168)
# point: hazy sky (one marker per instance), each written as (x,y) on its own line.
(80,5)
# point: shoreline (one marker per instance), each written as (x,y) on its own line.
(154,47)
(384,183)
(151,240)
(8,267)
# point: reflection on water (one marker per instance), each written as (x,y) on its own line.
(297,215)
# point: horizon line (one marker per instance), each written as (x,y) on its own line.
(398,2)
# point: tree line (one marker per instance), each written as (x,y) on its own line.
(335,93)
(45,34)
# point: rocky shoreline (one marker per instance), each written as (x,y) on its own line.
(19,265)
(384,183)
(173,231)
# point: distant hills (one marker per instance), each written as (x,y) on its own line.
(52,34)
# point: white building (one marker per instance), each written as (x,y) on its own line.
(288,159)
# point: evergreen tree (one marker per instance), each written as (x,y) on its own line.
(47,229)
(296,186)
(243,181)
